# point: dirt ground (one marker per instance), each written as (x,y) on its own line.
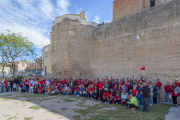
(20,106)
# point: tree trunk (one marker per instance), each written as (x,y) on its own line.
(3,72)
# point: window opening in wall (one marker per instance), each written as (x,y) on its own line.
(152,3)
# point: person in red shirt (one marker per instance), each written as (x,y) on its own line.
(78,82)
(110,98)
(120,87)
(105,95)
(159,84)
(178,84)
(5,84)
(101,89)
(167,88)
(75,89)
(135,91)
(96,84)
(117,99)
(174,95)
(40,89)
(91,90)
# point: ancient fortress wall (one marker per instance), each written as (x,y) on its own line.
(71,40)
(81,48)
(116,53)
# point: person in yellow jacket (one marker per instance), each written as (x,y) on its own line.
(133,102)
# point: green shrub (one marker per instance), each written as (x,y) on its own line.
(19,77)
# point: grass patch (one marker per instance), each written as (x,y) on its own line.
(64,109)
(6,98)
(157,112)
(68,100)
(77,117)
(28,118)
(35,107)
(12,117)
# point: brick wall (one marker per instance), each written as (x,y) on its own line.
(122,8)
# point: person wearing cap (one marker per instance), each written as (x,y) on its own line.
(145,91)
(101,89)
(167,88)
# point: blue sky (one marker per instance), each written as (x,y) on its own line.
(34,17)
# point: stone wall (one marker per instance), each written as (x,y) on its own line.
(116,53)
(71,42)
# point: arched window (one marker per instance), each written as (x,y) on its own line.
(152,3)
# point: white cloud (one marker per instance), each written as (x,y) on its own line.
(63,5)
(96,19)
(31,17)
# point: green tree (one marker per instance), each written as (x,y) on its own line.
(16,46)
(3,59)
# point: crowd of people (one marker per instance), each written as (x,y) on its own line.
(132,93)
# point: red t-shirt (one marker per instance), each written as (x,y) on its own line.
(178,84)
(110,96)
(64,82)
(41,82)
(60,89)
(114,84)
(61,82)
(159,84)
(52,82)
(105,94)
(91,89)
(39,88)
(135,91)
(101,86)
(123,82)
(117,97)
(75,88)
(44,81)
(173,93)
(167,88)
(121,88)
(78,82)
(5,83)
(96,85)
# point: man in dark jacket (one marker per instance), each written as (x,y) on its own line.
(16,80)
(145,91)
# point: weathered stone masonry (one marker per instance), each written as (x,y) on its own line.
(111,50)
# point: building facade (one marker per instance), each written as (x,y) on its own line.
(46,60)
(122,8)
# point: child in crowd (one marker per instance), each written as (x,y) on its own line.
(23,88)
(95,93)
(40,89)
(14,87)
(117,99)
(69,92)
(123,97)
(110,98)
(48,89)
(105,95)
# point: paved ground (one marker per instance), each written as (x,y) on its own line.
(174,113)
